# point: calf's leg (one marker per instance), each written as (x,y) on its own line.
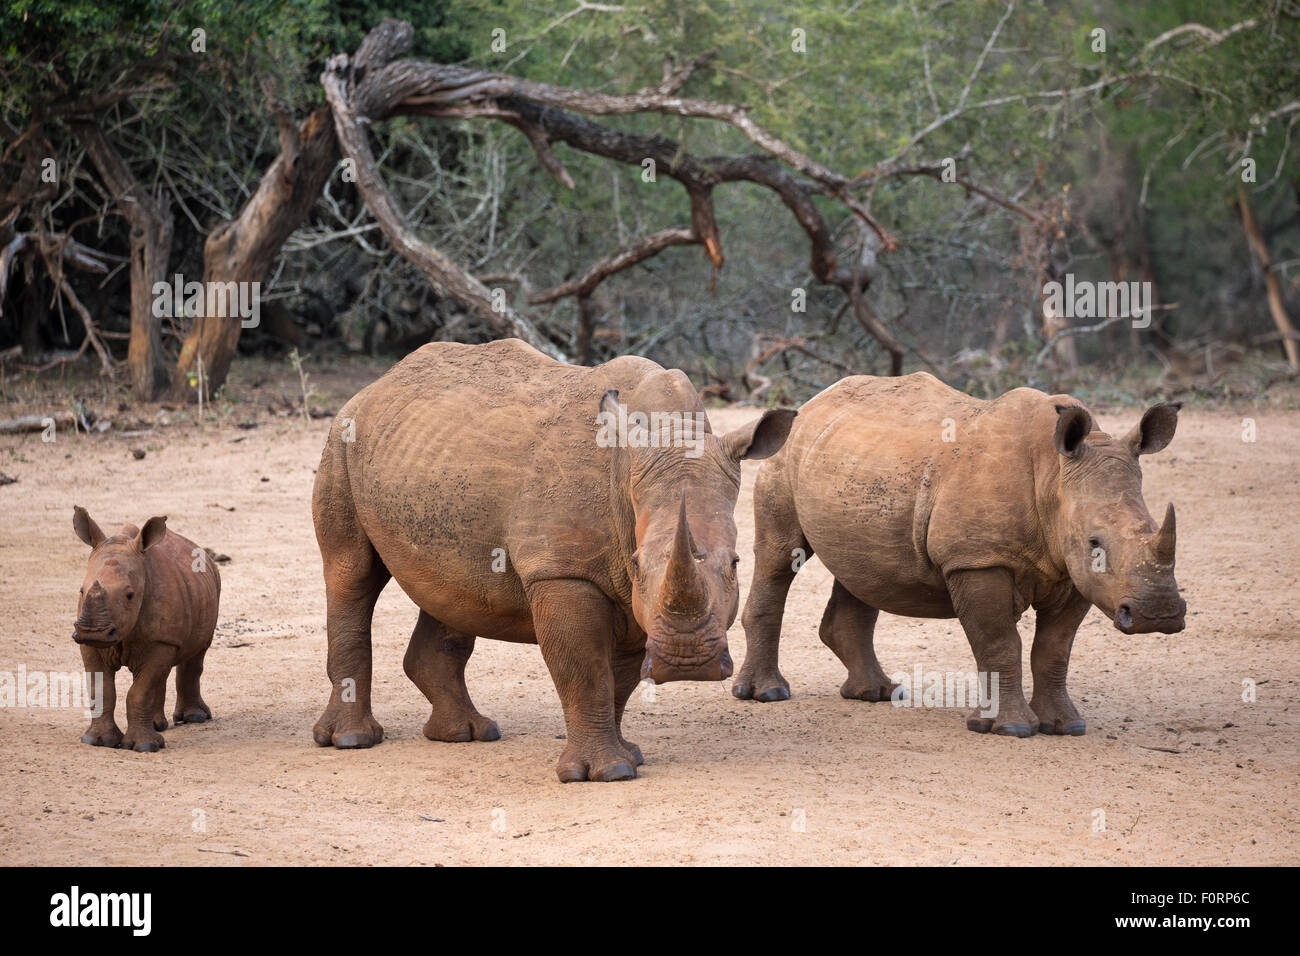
(103,730)
(435,661)
(144,701)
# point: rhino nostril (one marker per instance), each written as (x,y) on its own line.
(1124,616)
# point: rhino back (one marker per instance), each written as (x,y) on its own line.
(899,481)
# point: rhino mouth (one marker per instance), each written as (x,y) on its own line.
(1133,620)
(97,637)
(664,663)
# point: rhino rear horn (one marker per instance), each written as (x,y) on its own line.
(684,593)
(1165,541)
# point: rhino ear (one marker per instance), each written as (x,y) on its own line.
(84,525)
(154,530)
(609,402)
(762,438)
(1073,425)
(1156,430)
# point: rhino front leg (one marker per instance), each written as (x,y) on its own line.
(1050,660)
(435,661)
(103,730)
(627,675)
(985,605)
(574,623)
(779,548)
(354,578)
(144,701)
(848,628)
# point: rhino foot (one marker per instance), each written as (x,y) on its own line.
(197,713)
(765,689)
(873,690)
(102,736)
(144,741)
(602,767)
(346,732)
(1004,728)
(1073,728)
(1057,716)
(460,730)
(160,722)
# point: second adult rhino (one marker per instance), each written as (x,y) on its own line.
(925,502)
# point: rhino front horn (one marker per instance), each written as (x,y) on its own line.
(684,593)
(1166,538)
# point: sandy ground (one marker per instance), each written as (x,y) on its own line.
(817,779)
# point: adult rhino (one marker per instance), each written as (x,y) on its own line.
(478,478)
(925,502)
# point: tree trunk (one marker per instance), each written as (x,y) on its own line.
(1276,301)
(150,220)
(243,249)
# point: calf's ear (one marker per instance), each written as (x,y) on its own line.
(153,531)
(762,438)
(84,525)
(1073,425)
(1156,430)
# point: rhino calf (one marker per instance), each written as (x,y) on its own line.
(148,603)
(476,476)
(925,502)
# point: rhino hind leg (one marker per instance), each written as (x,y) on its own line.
(435,661)
(353,582)
(779,550)
(190,708)
(848,628)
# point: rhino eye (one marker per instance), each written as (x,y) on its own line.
(130,595)
(1094,543)
(735,563)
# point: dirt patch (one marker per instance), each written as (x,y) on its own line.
(1182,768)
